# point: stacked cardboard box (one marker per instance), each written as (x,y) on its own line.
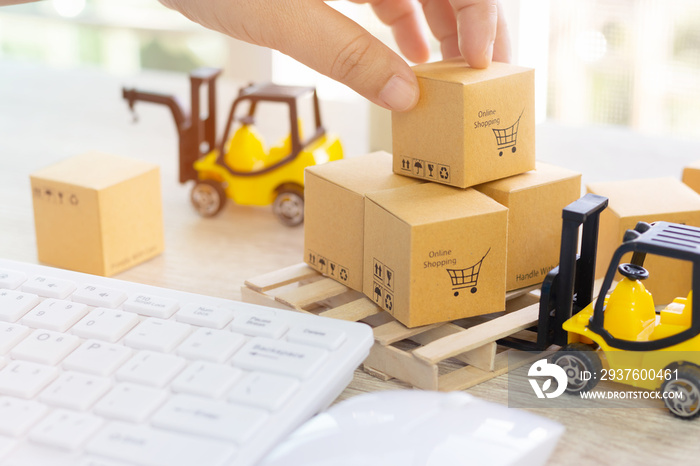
(487,221)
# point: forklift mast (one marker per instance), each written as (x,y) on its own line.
(196,133)
(568,288)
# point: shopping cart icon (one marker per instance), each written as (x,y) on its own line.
(507,137)
(466,278)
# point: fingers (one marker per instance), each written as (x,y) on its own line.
(476,22)
(441,20)
(474,29)
(403,18)
(502,48)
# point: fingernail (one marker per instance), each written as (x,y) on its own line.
(399,94)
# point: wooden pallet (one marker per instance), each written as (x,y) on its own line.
(448,356)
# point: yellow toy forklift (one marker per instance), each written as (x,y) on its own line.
(621,336)
(239,166)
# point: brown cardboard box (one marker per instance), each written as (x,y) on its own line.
(470,126)
(97,213)
(434,253)
(691,176)
(334,209)
(535,200)
(649,200)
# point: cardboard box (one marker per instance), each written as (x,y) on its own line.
(535,200)
(691,176)
(97,213)
(470,126)
(649,200)
(434,253)
(334,210)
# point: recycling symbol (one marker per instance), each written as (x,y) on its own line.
(388,302)
(344,275)
(443,173)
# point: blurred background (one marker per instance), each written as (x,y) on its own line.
(628,63)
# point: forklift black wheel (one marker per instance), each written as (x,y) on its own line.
(208,197)
(288,206)
(582,366)
(633,271)
(682,392)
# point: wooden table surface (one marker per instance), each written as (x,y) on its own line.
(48,114)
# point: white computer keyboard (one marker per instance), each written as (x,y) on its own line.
(98,371)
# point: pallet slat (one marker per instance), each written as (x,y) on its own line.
(481,334)
(281,277)
(306,295)
(354,310)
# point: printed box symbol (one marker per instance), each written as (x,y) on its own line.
(388,301)
(378,271)
(432,170)
(378,294)
(343,274)
(389,274)
(406,164)
(419,167)
(444,173)
(333,267)
(322,264)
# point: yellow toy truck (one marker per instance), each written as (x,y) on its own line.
(621,336)
(239,166)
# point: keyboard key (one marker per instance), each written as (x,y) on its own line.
(157,335)
(11,279)
(279,357)
(217,419)
(55,314)
(66,430)
(259,325)
(154,447)
(267,391)
(326,338)
(206,379)
(105,324)
(130,402)
(10,335)
(14,304)
(211,345)
(98,296)
(97,357)
(204,316)
(17,416)
(73,390)
(150,368)
(25,379)
(45,347)
(152,306)
(49,287)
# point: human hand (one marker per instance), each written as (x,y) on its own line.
(322,38)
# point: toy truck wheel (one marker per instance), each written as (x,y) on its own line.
(208,197)
(682,392)
(582,366)
(289,205)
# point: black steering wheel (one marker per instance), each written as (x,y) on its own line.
(633,271)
